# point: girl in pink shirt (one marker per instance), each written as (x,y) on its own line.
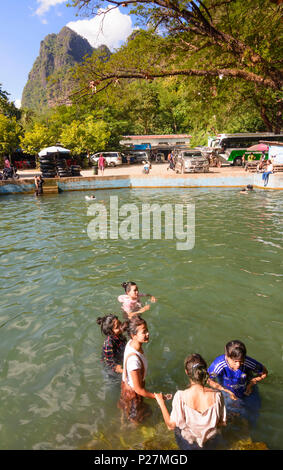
(130,301)
(101,163)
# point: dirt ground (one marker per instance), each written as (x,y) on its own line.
(158,169)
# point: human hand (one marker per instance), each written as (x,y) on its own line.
(167,396)
(249,389)
(145,308)
(119,369)
(153,299)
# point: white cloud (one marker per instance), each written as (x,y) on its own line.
(18,103)
(45,5)
(111,29)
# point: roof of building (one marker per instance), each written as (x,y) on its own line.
(166,136)
(267,142)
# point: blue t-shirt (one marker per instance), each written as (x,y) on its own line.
(234,380)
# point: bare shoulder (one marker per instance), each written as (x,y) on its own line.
(211,390)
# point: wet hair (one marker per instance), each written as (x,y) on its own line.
(106,324)
(250,187)
(131,325)
(236,350)
(196,368)
(127,285)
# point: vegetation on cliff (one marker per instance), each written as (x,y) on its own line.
(51,78)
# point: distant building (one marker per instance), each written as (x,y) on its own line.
(156,143)
(275,151)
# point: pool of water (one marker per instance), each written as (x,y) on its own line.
(55,282)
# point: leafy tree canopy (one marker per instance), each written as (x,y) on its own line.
(218,47)
(208,38)
(10,132)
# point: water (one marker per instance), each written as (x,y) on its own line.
(55,282)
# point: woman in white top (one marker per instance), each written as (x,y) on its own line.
(197,412)
(134,372)
(269,170)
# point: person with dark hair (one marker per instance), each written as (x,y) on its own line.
(269,171)
(170,159)
(38,182)
(133,389)
(101,163)
(114,344)
(197,412)
(7,163)
(236,375)
(248,188)
(130,301)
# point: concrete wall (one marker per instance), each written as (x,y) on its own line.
(201,180)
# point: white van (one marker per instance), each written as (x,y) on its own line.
(112,158)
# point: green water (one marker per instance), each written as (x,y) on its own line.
(55,282)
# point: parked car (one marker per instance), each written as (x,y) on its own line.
(112,158)
(139,157)
(160,157)
(191,161)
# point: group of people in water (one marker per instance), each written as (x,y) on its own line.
(199,411)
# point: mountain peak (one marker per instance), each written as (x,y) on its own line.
(58,54)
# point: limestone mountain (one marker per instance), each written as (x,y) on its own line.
(50,80)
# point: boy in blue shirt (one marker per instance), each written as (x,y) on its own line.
(236,375)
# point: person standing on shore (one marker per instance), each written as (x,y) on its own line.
(39,182)
(171,162)
(101,163)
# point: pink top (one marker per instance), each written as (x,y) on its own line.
(101,161)
(194,425)
(129,305)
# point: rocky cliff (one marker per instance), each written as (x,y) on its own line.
(50,80)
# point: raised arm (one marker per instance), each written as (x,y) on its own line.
(255,380)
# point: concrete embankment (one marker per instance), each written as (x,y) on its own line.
(218,178)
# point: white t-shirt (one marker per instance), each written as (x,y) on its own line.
(133,363)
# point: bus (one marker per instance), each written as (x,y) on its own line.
(231,147)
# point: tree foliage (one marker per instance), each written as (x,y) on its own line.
(10,132)
(85,135)
(209,42)
(35,139)
(206,38)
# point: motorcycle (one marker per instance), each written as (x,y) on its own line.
(10,173)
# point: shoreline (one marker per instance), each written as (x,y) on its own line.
(131,176)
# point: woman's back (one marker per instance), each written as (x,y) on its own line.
(199,399)
(198,414)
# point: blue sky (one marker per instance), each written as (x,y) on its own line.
(24,23)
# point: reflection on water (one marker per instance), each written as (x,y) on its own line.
(55,282)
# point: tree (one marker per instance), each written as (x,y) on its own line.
(36,138)
(230,40)
(6,107)
(86,135)
(226,38)
(10,132)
